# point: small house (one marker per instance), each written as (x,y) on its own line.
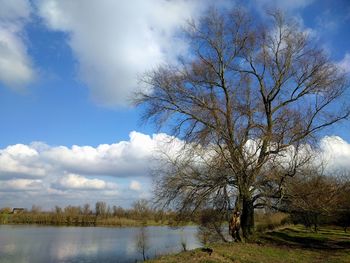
(17,210)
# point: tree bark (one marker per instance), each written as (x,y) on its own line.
(247,217)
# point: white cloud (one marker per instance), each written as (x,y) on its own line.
(16,70)
(122,159)
(21,185)
(39,173)
(21,161)
(117,41)
(14,9)
(344,64)
(78,182)
(336,152)
(119,160)
(135,185)
(67,175)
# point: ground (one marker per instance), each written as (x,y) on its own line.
(291,244)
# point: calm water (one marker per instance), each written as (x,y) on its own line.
(19,244)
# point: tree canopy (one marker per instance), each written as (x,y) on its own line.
(247,100)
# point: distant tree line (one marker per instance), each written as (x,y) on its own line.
(140,213)
(312,198)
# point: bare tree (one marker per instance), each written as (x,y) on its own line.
(312,197)
(252,94)
(341,216)
(101,208)
(87,209)
(36,209)
(141,210)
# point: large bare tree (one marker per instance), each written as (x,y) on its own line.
(247,99)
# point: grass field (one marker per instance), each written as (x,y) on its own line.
(294,244)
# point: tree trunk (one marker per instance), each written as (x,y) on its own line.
(247,217)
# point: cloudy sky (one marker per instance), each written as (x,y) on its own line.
(67,72)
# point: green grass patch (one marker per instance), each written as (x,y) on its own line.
(287,245)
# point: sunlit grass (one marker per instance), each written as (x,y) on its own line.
(293,244)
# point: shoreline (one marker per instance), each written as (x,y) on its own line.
(118,223)
(104,226)
(287,245)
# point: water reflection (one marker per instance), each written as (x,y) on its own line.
(88,244)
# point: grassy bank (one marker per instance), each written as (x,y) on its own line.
(287,245)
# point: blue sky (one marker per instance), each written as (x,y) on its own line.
(56,107)
(67,73)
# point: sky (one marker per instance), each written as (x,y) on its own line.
(68,70)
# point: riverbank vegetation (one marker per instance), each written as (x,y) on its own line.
(290,244)
(312,200)
(139,214)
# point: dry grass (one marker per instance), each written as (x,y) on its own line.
(270,221)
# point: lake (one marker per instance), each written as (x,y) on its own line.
(30,243)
